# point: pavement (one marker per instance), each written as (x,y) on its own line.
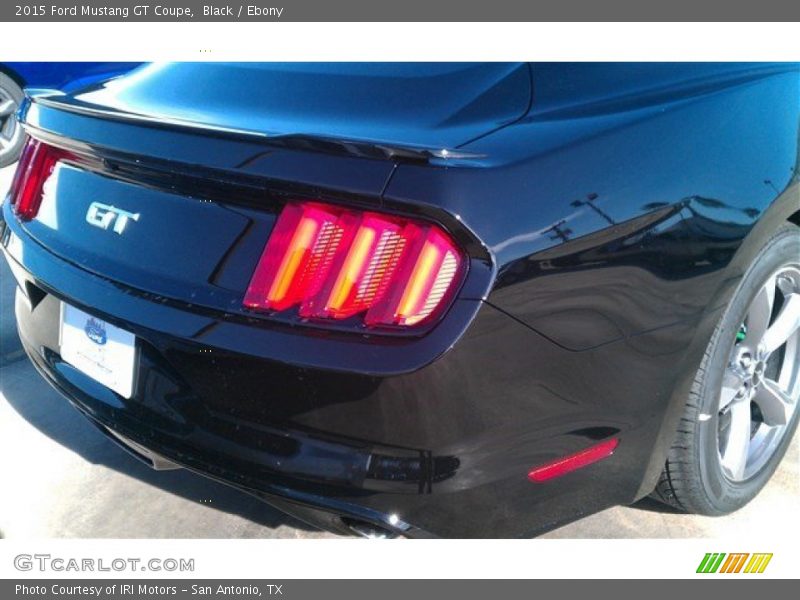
(61,478)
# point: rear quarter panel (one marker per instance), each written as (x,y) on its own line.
(621,213)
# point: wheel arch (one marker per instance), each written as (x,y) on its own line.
(783,209)
(13,75)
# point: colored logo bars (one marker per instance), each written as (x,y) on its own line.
(719,562)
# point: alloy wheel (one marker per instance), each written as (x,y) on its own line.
(761,382)
(10,131)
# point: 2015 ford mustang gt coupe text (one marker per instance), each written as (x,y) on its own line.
(420,299)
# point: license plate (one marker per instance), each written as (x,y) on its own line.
(102,351)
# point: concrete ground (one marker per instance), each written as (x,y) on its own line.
(62,478)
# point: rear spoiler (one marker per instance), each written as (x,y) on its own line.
(313,143)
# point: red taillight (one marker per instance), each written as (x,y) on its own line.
(567,464)
(22,168)
(335,263)
(36,164)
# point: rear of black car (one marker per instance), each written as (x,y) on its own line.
(148,230)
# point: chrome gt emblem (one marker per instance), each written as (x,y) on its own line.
(103,215)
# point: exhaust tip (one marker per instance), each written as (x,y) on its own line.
(369,530)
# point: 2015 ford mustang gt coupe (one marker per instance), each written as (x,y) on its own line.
(420,299)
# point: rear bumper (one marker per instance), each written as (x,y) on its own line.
(321,511)
(442,450)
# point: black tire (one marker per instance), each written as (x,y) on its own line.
(693,479)
(10,131)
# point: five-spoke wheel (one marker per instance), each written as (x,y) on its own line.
(760,385)
(741,410)
(11,134)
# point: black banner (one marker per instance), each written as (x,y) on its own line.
(398,589)
(408,10)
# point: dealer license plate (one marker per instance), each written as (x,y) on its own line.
(102,351)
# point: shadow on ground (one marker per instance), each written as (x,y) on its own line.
(652,505)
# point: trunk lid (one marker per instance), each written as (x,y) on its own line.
(163,242)
(422,105)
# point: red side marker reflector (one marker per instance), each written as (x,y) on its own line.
(567,464)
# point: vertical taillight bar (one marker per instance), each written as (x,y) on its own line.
(331,263)
(36,164)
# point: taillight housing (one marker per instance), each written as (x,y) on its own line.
(36,164)
(324,263)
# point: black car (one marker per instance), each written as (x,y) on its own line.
(462,300)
